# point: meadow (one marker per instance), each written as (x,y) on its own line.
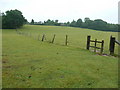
(31,63)
(77,37)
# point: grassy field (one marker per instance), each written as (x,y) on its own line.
(76,36)
(29,63)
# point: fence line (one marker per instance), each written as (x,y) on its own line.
(88,46)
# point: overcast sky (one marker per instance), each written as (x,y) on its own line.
(64,10)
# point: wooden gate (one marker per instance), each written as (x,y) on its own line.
(95,44)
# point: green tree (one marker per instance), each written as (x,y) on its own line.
(49,22)
(13,19)
(68,23)
(99,24)
(56,21)
(113,27)
(32,21)
(87,23)
(79,23)
(86,19)
(73,23)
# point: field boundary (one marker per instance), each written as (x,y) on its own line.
(66,40)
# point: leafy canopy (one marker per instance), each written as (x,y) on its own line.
(13,19)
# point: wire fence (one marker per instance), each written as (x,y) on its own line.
(67,40)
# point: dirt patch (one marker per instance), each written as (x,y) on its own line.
(4,61)
(106,55)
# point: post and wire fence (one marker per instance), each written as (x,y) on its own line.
(94,42)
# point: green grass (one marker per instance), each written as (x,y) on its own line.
(76,36)
(29,63)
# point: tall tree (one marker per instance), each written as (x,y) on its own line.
(86,19)
(32,21)
(56,21)
(13,19)
(79,23)
(73,23)
(87,23)
(99,24)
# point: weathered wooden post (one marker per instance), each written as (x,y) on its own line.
(43,37)
(112,45)
(66,41)
(88,42)
(95,45)
(53,39)
(102,45)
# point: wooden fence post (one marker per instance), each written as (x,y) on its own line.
(53,38)
(95,45)
(112,45)
(102,45)
(43,37)
(66,41)
(88,42)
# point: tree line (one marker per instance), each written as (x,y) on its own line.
(13,19)
(97,24)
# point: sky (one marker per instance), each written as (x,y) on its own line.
(64,10)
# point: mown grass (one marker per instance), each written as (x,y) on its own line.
(29,63)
